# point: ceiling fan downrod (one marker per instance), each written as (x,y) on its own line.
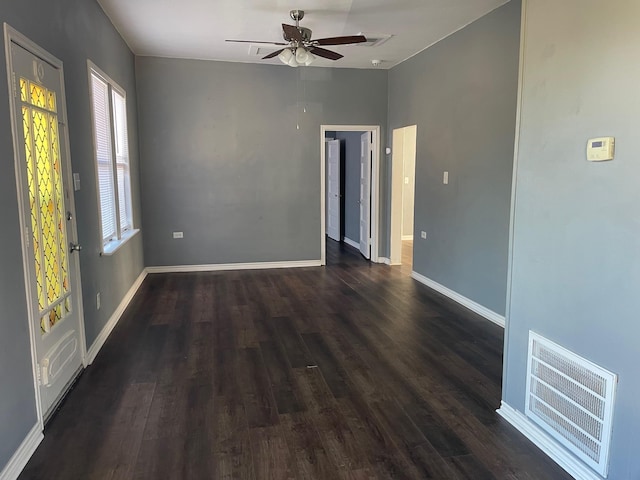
(297,15)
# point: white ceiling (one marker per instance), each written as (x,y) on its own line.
(198,28)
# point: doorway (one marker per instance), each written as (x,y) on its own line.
(47,218)
(350,187)
(403,167)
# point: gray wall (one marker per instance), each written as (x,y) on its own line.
(72,30)
(223,162)
(461,93)
(576,253)
(350,149)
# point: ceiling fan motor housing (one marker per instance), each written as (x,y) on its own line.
(305,32)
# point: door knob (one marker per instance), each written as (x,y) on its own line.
(74,247)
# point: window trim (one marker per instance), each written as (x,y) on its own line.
(109,247)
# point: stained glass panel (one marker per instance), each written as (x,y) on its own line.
(51,98)
(24,86)
(59,201)
(55,315)
(38,96)
(46,203)
(50,245)
(31,184)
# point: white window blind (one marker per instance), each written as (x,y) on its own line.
(112,157)
(104,156)
(122,160)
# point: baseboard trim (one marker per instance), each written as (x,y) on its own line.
(113,320)
(544,442)
(19,460)
(234,266)
(385,260)
(462,300)
(407,237)
(352,243)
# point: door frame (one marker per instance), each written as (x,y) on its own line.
(375,185)
(11,35)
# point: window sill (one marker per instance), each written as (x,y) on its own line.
(115,245)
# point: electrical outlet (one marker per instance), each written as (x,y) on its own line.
(178,235)
(423,235)
(98,301)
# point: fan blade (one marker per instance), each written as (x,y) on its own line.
(273,54)
(254,41)
(291,33)
(340,40)
(323,52)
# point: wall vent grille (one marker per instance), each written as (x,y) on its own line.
(571,399)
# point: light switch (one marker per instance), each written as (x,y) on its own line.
(76,182)
(406,180)
(178,235)
(445,178)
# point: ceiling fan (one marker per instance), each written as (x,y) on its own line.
(300,48)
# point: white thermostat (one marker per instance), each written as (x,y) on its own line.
(601,149)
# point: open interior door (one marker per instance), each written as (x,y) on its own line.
(333,189)
(365,194)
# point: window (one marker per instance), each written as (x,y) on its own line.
(112,159)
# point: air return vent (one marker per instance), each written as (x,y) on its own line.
(572,400)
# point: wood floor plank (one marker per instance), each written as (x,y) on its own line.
(272,459)
(255,386)
(232,446)
(306,447)
(279,372)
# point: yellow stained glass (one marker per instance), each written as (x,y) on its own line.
(50,244)
(60,212)
(31,184)
(24,86)
(51,98)
(55,315)
(38,96)
(46,202)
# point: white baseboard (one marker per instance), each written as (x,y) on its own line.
(384,260)
(234,266)
(22,455)
(113,320)
(544,442)
(352,243)
(407,237)
(462,300)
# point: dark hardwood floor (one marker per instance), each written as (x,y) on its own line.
(351,371)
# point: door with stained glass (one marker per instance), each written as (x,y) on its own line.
(49,227)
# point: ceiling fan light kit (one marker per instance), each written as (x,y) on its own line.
(300,49)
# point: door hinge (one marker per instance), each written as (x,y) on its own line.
(38,375)
(27,242)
